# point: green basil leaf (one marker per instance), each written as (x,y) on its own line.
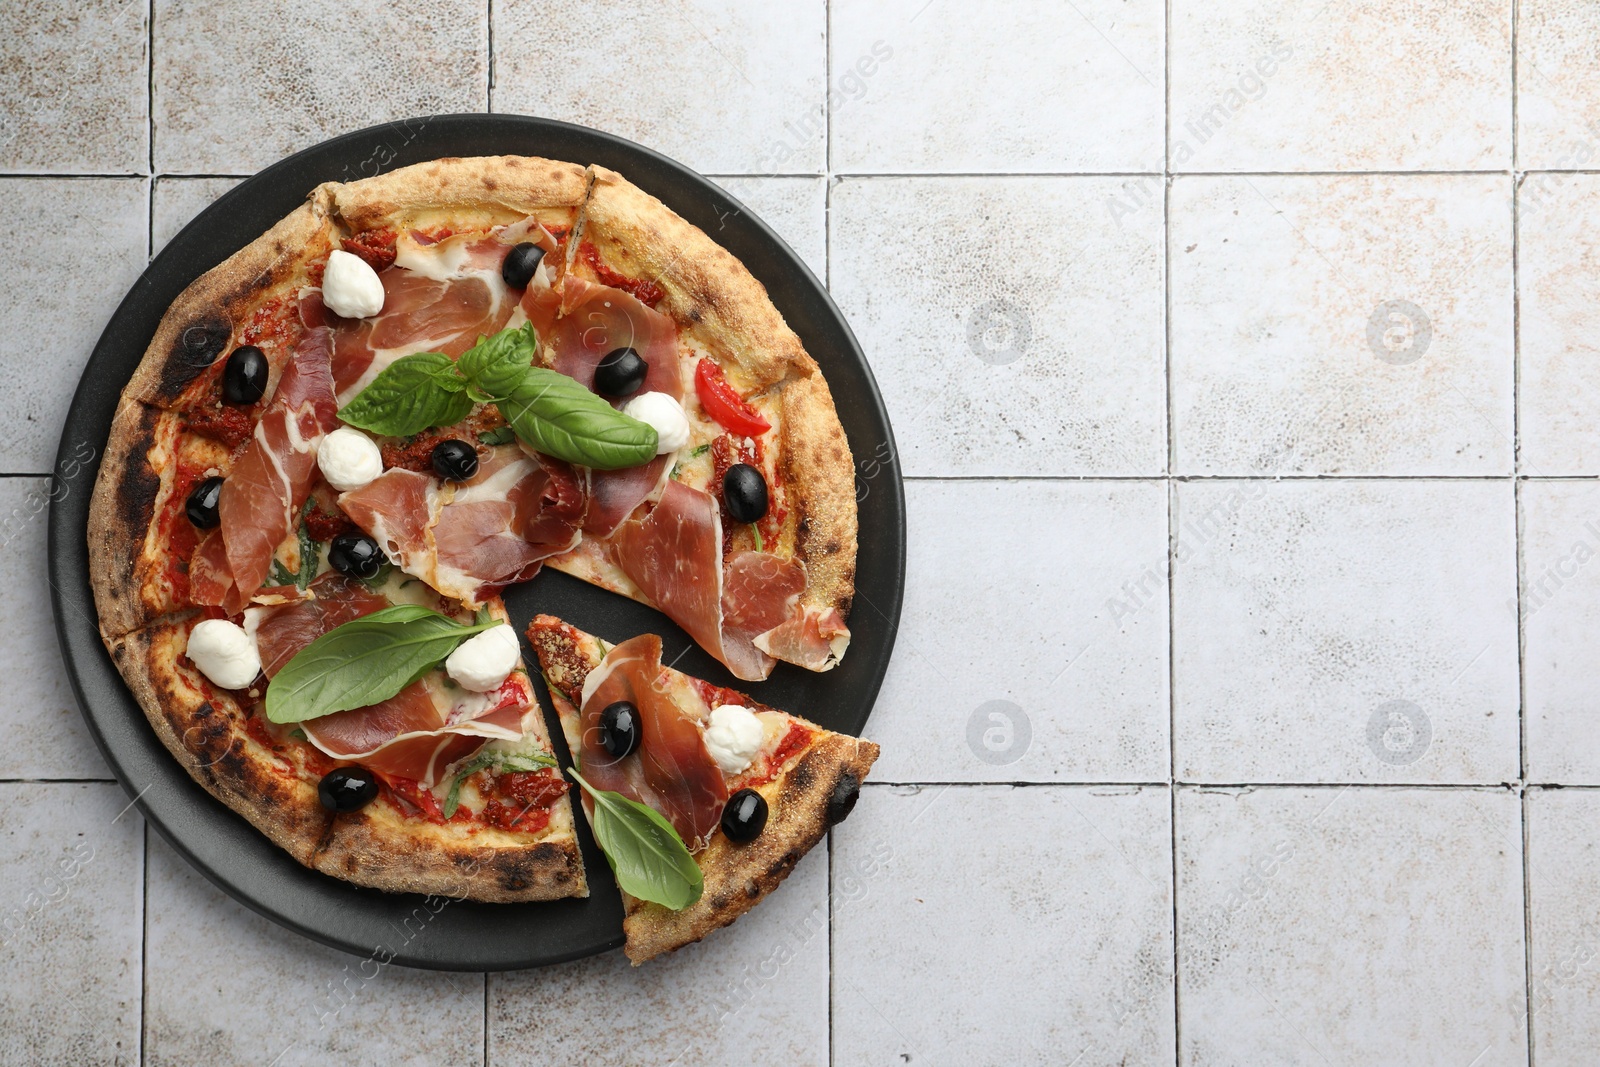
(645,852)
(495,365)
(406,398)
(309,553)
(365,661)
(498,759)
(500,435)
(555,415)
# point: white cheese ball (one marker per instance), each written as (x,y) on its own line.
(349,459)
(666,415)
(734,737)
(350,288)
(224,653)
(484,661)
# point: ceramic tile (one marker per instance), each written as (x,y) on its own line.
(1333,926)
(1082,695)
(794,207)
(59,305)
(1558,103)
(1561,608)
(235,91)
(1003,924)
(45,734)
(1558,284)
(178,200)
(1014,324)
(72,889)
(724,87)
(1563,882)
(1345,632)
(755,992)
(76,92)
(226,986)
(1262,85)
(928,85)
(1342,325)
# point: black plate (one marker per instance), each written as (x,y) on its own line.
(462,935)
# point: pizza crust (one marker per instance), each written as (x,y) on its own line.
(508,185)
(204,730)
(121,511)
(200,324)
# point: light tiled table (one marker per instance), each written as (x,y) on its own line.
(1242,359)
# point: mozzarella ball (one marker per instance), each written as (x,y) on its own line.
(666,415)
(350,288)
(349,459)
(484,661)
(734,737)
(224,653)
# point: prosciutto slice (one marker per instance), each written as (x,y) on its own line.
(579,322)
(744,610)
(414,734)
(471,540)
(264,492)
(438,297)
(672,771)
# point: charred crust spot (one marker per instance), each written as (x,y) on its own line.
(842,801)
(197,347)
(832,546)
(136,496)
(695,314)
(803,775)
(490,184)
(836,454)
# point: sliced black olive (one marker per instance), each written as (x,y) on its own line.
(744,816)
(619,729)
(744,490)
(842,801)
(620,373)
(202,503)
(244,376)
(355,556)
(520,263)
(347,788)
(455,461)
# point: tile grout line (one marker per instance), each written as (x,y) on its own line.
(144,940)
(1519,562)
(1172,512)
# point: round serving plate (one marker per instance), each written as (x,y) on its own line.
(414,930)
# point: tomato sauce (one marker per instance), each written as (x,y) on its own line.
(374,247)
(645,291)
(177,533)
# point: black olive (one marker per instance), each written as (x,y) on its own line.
(620,373)
(347,788)
(244,376)
(744,490)
(520,263)
(842,801)
(202,503)
(744,816)
(355,556)
(619,729)
(455,461)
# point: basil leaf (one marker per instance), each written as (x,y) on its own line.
(645,852)
(407,397)
(309,553)
(500,761)
(555,415)
(495,365)
(365,661)
(500,435)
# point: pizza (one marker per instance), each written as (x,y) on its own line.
(749,788)
(345,442)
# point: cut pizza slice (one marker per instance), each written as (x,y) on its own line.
(746,788)
(437,789)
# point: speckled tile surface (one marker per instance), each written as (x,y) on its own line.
(1241,364)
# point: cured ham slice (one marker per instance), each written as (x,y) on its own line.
(414,734)
(264,492)
(438,297)
(468,541)
(744,610)
(579,322)
(672,771)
